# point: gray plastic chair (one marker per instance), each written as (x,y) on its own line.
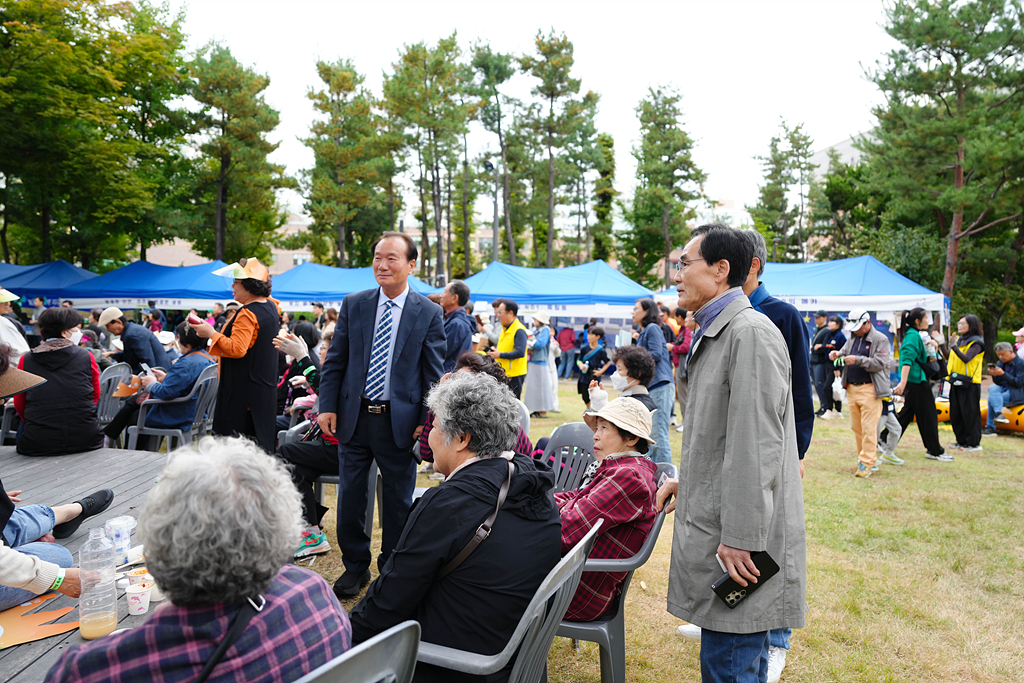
(374,490)
(535,631)
(205,392)
(572,446)
(524,417)
(609,632)
(7,427)
(108,405)
(388,657)
(293,433)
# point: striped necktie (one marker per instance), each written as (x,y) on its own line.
(379,355)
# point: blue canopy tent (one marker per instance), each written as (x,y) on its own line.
(175,287)
(591,289)
(299,287)
(845,284)
(48,280)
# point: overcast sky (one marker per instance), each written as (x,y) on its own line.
(741,66)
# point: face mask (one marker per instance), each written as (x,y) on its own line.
(619,382)
(76,336)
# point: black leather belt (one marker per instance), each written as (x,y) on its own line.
(375,407)
(857,384)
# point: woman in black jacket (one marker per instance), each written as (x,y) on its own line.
(59,417)
(476,606)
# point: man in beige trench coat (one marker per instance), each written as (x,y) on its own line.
(739,488)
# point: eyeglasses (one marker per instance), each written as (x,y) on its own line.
(681,263)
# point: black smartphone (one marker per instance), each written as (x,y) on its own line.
(732,594)
(991,365)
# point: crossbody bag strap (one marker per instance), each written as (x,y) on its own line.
(245,614)
(482,531)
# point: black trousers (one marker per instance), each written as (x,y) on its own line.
(821,374)
(516,385)
(919,402)
(965,414)
(372,441)
(310,460)
(127,416)
(830,402)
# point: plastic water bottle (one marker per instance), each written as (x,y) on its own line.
(930,350)
(97,608)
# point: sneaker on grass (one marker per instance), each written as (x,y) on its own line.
(891,458)
(688,631)
(313,543)
(776,663)
(972,449)
(989,431)
(954,447)
(863,471)
(941,457)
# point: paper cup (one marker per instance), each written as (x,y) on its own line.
(137,576)
(156,595)
(138,598)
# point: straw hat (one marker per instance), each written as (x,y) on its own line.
(15,381)
(627,413)
(6,296)
(109,315)
(245,269)
(542,316)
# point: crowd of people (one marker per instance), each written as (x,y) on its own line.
(392,378)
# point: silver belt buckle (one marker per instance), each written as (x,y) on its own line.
(376,410)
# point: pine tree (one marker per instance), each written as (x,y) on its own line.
(604,198)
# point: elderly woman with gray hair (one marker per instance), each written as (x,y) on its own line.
(473,604)
(219,530)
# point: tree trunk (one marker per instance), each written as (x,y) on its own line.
(448,226)
(391,202)
(342,263)
(142,250)
(505,194)
(44,219)
(579,217)
(220,221)
(494,230)
(425,265)
(551,199)
(465,208)
(668,244)
(3,228)
(586,225)
(953,242)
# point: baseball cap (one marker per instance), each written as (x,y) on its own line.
(856,318)
(109,315)
(821,314)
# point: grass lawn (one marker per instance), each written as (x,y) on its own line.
(915,574)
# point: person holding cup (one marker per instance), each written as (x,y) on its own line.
(219,529)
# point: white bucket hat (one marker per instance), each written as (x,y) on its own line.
(627,413)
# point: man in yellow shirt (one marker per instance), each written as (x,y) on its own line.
(511,351)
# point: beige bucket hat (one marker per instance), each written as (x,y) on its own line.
(627,413)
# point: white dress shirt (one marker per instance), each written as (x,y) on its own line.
(396,318)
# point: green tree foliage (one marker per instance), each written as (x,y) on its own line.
(237,212)
(668,184)
(552,67)
(772,214)
(949,136)
(345,146)
(604,198)
(585,158)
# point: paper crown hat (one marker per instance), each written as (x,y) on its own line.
(7,296)
(245,269)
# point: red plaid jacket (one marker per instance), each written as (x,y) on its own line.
(622,493)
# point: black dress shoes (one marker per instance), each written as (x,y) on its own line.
(350,583)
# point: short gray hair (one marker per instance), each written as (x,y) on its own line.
(1004,346)
(220,523)
(475,404)
(760,247)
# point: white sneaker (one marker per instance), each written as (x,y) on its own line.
(679,429)
(689,631)
(673,420)
(827,415)
(776,663)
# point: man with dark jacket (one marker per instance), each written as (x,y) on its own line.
(459,326)
(1007,388)
(387,351)
(140,345)
(475,604)
(820,367)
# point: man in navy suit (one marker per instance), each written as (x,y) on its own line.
(387,352)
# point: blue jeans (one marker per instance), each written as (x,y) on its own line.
(25,526)
(733,657)
(779,637)
(664,397)
(997,398)
(567,363)
(821,373)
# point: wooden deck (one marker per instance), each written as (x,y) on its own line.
(65,479)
